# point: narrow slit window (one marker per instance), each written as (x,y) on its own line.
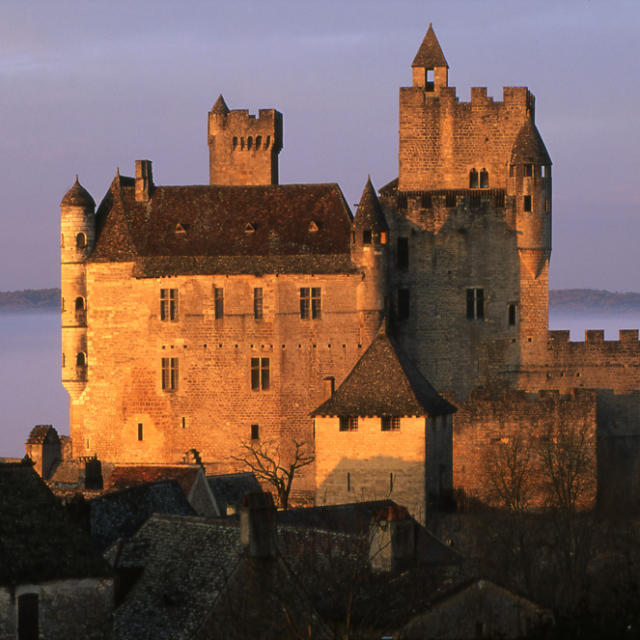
(475,304)
(257,303)
(512,315)
(218,302)
(255,432)
(140,432)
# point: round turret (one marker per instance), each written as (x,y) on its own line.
(77,238)
(529,184)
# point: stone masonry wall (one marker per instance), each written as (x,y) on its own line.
(214,406)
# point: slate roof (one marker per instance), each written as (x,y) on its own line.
(430,53)
(77,196)
(369,214)
(41,432)
(220,106)
(229,489)
(528,146)
(225,229)
(120,514)
(38,542)
(384,382)
(129,476)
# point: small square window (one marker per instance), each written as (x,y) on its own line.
(390,423)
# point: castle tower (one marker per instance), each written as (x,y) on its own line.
(369,241)
(429,67)
(76,243)
(529,190)
(243,149)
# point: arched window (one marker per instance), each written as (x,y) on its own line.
(81,241)
(79,303)
(484,179)
(473,179)
(81,359)
(249,142)
(235,141)
(268,142)
(258,142)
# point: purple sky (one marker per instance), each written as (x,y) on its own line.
(91,85)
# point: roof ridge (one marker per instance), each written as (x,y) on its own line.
(430,54)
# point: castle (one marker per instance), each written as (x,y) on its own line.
(202,317)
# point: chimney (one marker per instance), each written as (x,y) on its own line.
(392,544)
(258,524)
(144,180)
(329,387)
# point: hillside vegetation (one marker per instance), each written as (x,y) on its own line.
(30,300)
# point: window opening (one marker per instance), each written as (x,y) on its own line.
(512,170)
(475,304)
(259,374)
(168,305)
(255,432)
(366,236)
(81,360)
(257,303)
(484,179)
(184,422)
(310,303)
(140,434)
(81,241)
(348,481)
(249,142)
(528,170)
(218,302)
(258,142)
(403,304)
(28,622)
(169,374)
(473,179)
(512,315)
(390,423)
(527,203)
(403,253)
(429,82)
(391,483)
(348,423)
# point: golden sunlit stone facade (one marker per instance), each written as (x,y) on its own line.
(203,317)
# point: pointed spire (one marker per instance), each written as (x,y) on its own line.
(528,146)
(220,106)
(369,213)
(430,54)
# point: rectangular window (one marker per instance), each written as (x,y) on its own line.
(255,432)
(348,481)
(403,304)
(512,170)
(28,623)
(475,304)
(140,434)
(348,423)
(528,170)
(257,303)
(169,305)
(366,236)
(403,253)
(259,374)
(390,423)
(218,302)
(527,203)
(310,303)
(512,315)
(169,374)
(391,483)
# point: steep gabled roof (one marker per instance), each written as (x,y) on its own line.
(42,433)
(384,382)
(430,54)
(528,146)
(369,214)
(225,229)
(130,476)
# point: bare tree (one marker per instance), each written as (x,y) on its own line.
(267,462)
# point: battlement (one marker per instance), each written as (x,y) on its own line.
(627,338)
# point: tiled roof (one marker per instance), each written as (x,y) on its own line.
(77,196)
(369,214)
(430,53)
(129,476)
(384,382)
(38,542)
(528,146)
(41,432)
(225,229)
(120,514)
(220,106)
(229,489)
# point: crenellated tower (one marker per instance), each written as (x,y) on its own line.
(77,240)
(243,149)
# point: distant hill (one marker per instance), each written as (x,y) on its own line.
(593,300)
(30,300)
(578,300)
